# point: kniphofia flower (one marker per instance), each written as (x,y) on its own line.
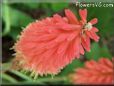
(101,72)
(48,45)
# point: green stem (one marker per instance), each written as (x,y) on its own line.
(52,79)
(40,81)
(8,78)
(21,75)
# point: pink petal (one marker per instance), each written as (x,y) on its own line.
(81,50)
(94,29)
(94,21)
(68,27)
(72,36)
(92,35)
(83,14)
(58,18)
(62,47)
(74,48)
(77,47)
(65,19)
(71,17)
(86,42)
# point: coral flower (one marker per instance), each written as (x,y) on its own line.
(48,45)
(100,72)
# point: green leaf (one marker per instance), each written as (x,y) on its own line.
(47,8)
(94,53)
(105,52)
(59,6)
(5,66)
(32,5)
(15,32)
(6,18)
(13,17)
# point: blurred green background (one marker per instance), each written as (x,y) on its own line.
(16,16)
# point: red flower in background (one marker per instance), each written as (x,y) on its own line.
(48,45)
(101,72)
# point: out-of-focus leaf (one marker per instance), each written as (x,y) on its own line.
(5,66)
(71,67)
(105,52)
(31,5)
(13,17)
(98,52)
(6,18)
(15,32)
(59,6)
(47,8)
(94,53)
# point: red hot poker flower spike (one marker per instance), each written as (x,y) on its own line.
(100,72)
(48,45)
